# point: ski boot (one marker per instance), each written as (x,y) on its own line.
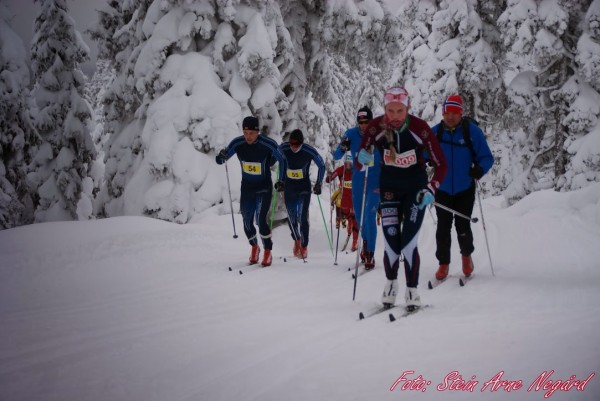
(467,265)
(254,254)
(369,260)
(442,272)
(389,293)
(412,298)
(267,259)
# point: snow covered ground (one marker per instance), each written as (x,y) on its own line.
(132,308)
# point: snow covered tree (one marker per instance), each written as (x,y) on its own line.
(460,59)
(190,71)
(540,39)
(95,92)
(61,164)
(582,95)
(17,133)
(412,68)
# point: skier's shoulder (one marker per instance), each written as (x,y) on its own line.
(351,133)
(284,147)
(262,138)
(237,141)
(375,126)
(419,127)
(473,127)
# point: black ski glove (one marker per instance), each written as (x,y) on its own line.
(279,186)
(345,145)
(222,156)
(317,189)
(476,171)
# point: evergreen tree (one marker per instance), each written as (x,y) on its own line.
(540,39)
(581,95)
(62,161)
(17,133)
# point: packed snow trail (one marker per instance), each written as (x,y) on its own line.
(138,309)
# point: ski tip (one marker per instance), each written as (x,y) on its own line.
(429,285)
(392,317)
(361,316)
(461,282)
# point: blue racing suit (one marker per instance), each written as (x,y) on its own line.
(256,160)
(298,187)
(369,223)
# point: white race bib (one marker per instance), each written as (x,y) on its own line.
(402,160)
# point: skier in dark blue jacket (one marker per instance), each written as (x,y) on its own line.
(466,165)
(350,141)
(299,156)
(256,153)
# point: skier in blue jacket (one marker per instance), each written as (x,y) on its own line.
(350,141)
(466,165)
(256,153)
(299,156)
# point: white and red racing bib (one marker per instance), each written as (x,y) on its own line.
(402,160)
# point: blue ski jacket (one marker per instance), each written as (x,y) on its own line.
(298,166)
(460,159)
(256,160)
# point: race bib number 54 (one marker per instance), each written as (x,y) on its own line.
(251,168)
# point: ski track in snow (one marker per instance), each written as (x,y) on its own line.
(136,309)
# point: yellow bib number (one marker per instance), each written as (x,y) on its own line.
(251,168)
(295,174)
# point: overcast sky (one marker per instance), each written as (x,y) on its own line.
(82,11)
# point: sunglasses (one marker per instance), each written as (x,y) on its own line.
(363,122)
(396,95)
(295,143)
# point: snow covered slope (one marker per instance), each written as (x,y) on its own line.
(137,309)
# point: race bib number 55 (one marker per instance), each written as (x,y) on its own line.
(295,174)
(251,168)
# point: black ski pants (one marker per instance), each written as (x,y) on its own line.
(462,202)
(401,221)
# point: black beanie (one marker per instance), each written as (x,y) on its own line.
(364,113)
(250,123)
(296,137)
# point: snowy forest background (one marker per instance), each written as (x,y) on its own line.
(174,78)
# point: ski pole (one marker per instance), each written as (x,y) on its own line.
(273,201)
(454,212)
(483,223)
(325,224)
(360,227)
(230,201)
(330,209)
(337,244)
(432,216)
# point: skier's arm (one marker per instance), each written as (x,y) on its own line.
(484,158)
(436,155)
